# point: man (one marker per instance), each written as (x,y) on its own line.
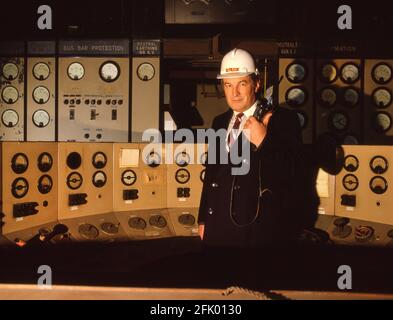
(270,204)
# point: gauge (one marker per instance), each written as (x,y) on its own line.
(41,95)
(110,228)
(329,73)
(45,162)
(302,119)
(45,184)
(74,180)
(351,97)
(41,118)
(137,223)
(76,71)
(19,188)
(382,97)
(153,159)
(350,182)
(74,160)
(350,73)
(109,71)
(88,231)
(145,71)
(202,175)
(328,97)
(10,71)
(296,72)
(204,159)
(364,233)
(158,221)
(182,159)
(182,176)
(351,163)
(350,139)
(382,122)
(41,71)
(379,164)
(10,118)
(338,121)
(99,160)
(19,163)
(186,219)
(296,96)
(382,73)
(99,179)
(378,185)
(128,177)
(10,94)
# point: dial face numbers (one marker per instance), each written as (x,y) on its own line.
(76,71)
(382,122)
(10,95)
(41,71)
(99,160)
(351,163)
(99,179)
(10,71)
(378,185)
(41,95)
(19,163)
(350,182)
(45,184)
(74,180)
(182,159)
(351,97)
(302,119)
(381,73)
(296,96)
(19,188)
(382,97)
(186,219)
(329,73)
(339,121)
(41,118)
(10,118)
(296,72)
(182,176)
(110,228)
(45,162)
(204,159)
(202,175)
(328,97)
(74,160)
(153,159)
(88,231)
(350,73)
(137,223)
(158,221)
(128,178)
(145,71)
(109,71)
(379,165)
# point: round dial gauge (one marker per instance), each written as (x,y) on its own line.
(10,118)
(182,159)
(128,178)
(99,160)
(378,185)
(350,139)
(328,97)
(145,71)
(45,162)
(110,228)
(41,118)
(381,73)
(186,219)
(158,221)
(41,71)
(202,175)
(74,180)
(19,188)
(329,73)
(339,121)
(45,184)
(350,182)
(350,73)
(10,71)
(10,95)
(153,159)
(41,95)
(351,97)
(379,165)
(137,223)
(296,96)
(74,160)
(302,119)
(99,179)
(296,72)
(19,163)
(182,176)
(109,71)
(76,71)
(351,163)
(88,231)
(382,97)
(204,159)
(382,122)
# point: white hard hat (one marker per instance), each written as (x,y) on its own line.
(237,63)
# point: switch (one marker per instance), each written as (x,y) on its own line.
(25,209)
(72,114)
(93,114)
(183,192)
(77,199)
(348,200)
(130,194)
(114,114)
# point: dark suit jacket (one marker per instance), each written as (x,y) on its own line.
(287,204)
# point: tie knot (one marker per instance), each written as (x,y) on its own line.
(240,116)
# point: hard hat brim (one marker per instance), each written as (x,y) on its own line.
(234,75)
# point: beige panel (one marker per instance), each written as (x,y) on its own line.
(41,117)
(184,221)
(326,193)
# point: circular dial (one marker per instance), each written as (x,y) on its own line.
(10,71)
(202,175)
(110,228)
(351,163)
(382,122)
(302,119)
(145,71)
(19,188)
(204,159)
(351,97)
(41,95)
(74,160)
(109,71)
(182,159)
(99,179)
(128,178)
(99,160)
(186,219)
(137,223)
(378,185)
(41,71)
(350,182)
(379,164)
(350,73)
(45,184)
(182,176)
(339,121)
(158,221)
(45,162)
(350,139)
(76,71)
(382,97)
(329,73)
(296,96)
(10,94)
(381,73)
(88,231)
(19,163)
(10,118)
(296,72)
(364,233)
(153,159)
(74,180)
(41,118)
(328,97)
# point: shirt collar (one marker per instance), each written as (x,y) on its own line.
(249,112)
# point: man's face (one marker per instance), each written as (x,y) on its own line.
(240,92)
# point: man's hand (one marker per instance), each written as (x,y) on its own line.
(255,131)
(201,230)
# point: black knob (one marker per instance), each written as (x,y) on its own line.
(390,234)
(341,222)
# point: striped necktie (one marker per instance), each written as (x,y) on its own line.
(234,132)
